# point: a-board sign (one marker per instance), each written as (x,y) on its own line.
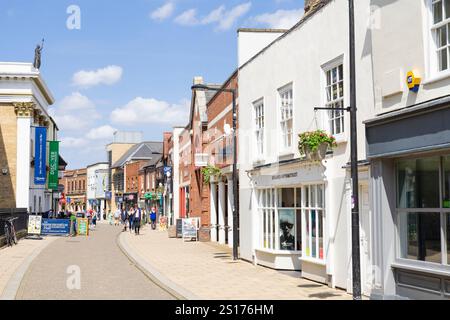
(179,224)
(34,225)
(56,226)
(83,227)
(190,228)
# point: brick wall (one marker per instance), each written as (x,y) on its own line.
(8,154)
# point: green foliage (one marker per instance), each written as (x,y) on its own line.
(210,171)
(312,140)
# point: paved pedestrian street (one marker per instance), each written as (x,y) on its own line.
(105,272)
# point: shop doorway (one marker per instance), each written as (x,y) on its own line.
(365,236)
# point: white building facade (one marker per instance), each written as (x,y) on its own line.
(24,105)
(408,139)
(97,186)
(295,213)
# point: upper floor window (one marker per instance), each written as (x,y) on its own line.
(335,98)
(286,116)
(259,126)
(441,32)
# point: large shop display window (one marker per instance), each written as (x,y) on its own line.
(423,209)
(283,213)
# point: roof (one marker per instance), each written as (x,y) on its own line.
(209,94)
(317,6)
(141,151)
(152,162)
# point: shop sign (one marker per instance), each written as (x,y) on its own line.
(34,225)
(56,226)
(108,195)
(83,227)
(190,228)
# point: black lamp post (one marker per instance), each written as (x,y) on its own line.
(202,87)
(356,263)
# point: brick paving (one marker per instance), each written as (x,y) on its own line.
(105,272)
(207,271)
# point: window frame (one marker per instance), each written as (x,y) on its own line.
(267,223)
(257,132)
(443,212)
(281,123)
(432,62)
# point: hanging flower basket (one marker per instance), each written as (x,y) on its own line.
(211,174)
(314,144)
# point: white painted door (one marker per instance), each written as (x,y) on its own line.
(366,265)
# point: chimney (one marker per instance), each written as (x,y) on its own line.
(311,5)
(198,80)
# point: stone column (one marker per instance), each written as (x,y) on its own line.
(230,211)
(212,205)
(222,208)
(25,113)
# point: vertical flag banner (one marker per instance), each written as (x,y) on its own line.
(40,155)
(54,165)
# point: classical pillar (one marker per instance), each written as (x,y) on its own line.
(25,113)
(230,211)
(222,208)
(212,205)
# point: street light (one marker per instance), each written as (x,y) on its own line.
(202,87)
(356,263)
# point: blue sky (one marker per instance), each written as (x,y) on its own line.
(131,63)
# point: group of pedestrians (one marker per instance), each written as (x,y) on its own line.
(132,218)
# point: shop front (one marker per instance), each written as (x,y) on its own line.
(410,178)
(130,199)
(289,209)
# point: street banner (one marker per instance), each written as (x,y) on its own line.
(82,227)
(54,165)
(190,228)
(40,155)
(34,225)
(55,226)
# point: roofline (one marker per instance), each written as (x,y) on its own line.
(95,164)
(262,30)
(305,18)
(235,73)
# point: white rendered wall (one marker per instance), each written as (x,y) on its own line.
(250,43)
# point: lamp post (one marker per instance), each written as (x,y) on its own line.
(202,87)
(356,263)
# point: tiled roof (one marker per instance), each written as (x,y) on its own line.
(140,151)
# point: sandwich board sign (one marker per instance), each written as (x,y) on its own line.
(190,228)
(34,225)
(83,227)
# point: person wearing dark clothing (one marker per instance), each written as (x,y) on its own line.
(137,220)
(131,218)
(153,218)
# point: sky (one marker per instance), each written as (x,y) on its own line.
(128,65)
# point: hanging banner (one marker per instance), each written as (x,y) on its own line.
(54,165)
(40,155)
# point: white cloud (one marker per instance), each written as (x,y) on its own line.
(223,18)
(74,112)
(163,12)
(188,18)
(150,111)
(281,19)
(108,76)
(100,133)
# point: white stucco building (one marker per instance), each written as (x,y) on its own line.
(295,213)
(97,186)
(24,104)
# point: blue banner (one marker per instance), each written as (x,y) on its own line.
(55,226)
(40,156)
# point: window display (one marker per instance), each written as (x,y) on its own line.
(423,207)
(287,229)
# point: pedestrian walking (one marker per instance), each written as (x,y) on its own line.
(130,218)
(137,219)
(73,225)
(94,220)
(110,218)
(124,217)
(153,218)
(117,217)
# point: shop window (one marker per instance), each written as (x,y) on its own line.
(423,209)
(314,222)
(281,212)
